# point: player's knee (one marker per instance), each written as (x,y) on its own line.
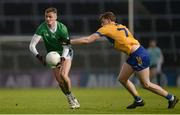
(122,80)
(146,85)
(63,75)
(60,80)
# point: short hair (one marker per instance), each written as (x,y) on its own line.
(152,40)
(107,15)
(51,9)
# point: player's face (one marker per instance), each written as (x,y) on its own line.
(105,21)
(153,43)
(50,18)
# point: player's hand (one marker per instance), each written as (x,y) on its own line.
(65,42)
(61,62)
(41,59)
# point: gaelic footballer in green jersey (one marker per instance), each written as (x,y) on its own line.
(54,33)
(53,39)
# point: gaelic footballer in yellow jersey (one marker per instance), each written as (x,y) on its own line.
(138,59)
(119,36)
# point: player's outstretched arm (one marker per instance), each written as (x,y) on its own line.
(85,40)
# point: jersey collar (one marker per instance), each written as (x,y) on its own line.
(53,30)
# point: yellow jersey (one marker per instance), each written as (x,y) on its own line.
(119,36)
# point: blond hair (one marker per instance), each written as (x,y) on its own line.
(51,9)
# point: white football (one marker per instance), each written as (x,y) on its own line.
(52,59)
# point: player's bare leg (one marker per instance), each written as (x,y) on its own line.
(64,73)
(153,74)
(65,83)
(145,81)
(124,75)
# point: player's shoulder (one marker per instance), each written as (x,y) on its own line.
(158,49)
(62,27)
(41,28)
(106,28)
(42,25)
(102,28)
(121,25)
(60,24)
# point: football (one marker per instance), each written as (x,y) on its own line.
(52,59)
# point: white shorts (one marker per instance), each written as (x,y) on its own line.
(70,54)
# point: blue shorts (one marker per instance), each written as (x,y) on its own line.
(139,59)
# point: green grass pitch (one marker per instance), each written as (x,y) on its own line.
(92,100)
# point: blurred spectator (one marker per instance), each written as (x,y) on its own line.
(156,61)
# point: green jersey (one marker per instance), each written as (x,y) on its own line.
(52,40)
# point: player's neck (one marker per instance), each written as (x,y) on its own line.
(53,27)
(111,23)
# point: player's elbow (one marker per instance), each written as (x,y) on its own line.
(30,47)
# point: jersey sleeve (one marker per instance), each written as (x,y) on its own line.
(101,31)
(65,34)
(33,43)
(39,31)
